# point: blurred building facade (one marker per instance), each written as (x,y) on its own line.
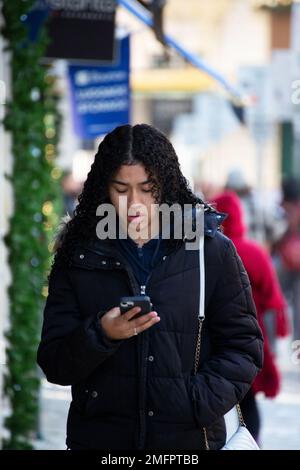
(232,36)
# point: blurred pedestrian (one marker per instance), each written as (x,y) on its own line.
(133,382)
(71,190)
(263,222)
(287,250)
(267,297)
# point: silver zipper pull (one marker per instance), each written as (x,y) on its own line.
(143,290)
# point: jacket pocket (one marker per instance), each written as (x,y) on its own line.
(101,397)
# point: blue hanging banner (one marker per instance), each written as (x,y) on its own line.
(100,95)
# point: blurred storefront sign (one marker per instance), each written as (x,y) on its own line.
(78,30)
(187,80)
(100,96)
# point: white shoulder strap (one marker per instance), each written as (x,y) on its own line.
(202,278)
(200,210)
(231,418)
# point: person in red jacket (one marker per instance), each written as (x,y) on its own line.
(267,296)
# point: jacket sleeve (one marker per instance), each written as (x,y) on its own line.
(237,344)
(70,348)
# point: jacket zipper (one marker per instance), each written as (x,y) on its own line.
(143,290)
(143,286)
(137,290)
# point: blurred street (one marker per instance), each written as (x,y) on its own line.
(280,417)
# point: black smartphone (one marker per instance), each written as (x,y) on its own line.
(143,301)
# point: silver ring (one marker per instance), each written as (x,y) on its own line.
(135,331)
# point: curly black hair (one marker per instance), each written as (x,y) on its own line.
(126,145)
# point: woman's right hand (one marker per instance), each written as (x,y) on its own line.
(118,326)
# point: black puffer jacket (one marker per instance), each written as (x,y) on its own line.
(140,393)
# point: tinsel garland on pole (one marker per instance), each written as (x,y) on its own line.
(32,120)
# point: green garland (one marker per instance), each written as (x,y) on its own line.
(32,120)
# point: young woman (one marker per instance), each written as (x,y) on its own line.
(132,378)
